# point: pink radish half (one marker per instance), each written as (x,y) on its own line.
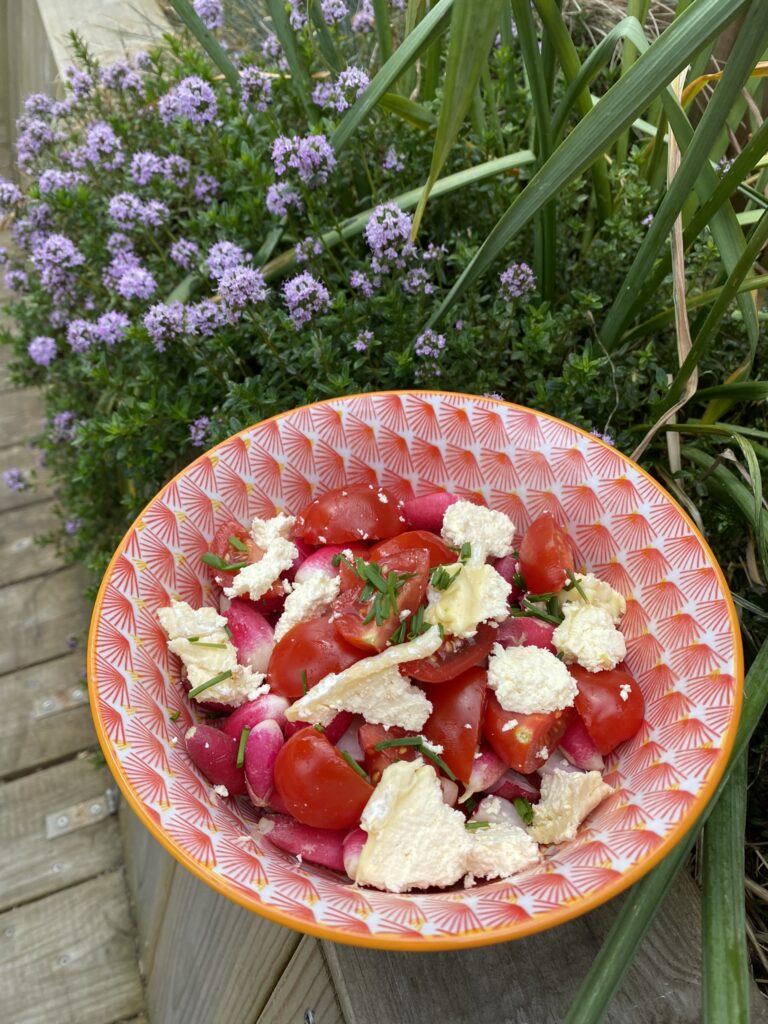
(349,742)
(517,632)
(215,754)
(321,561)
(318,845)
(252,635)
(486,771)
(513,784)
(450,791)
(556,761)
(578,747)
(334,730)
(305,550)
(353,847)
(508,567)
(264,743)
(266,706)
(498,810)
(426,512)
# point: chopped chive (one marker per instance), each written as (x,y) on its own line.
(218,563)
(524,808)
(241,748)
(441,579)
(174,715)
(318,728)
(470,805)
(304,685)
(472,826)
(237,543)
(439,762)
(210,682)
(466,551)
(405,741)
(418,742)
(228,631)
(353,764)
(531,612)
(542,597)
(367,593)
(576,585)
(399,635)
(518,580)
(202,643)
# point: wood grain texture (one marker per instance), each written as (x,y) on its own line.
(110,27)
(39,615)
(20,557)
(215,962)
(304,985)
(31,865)
(21,416)
(70,958)
(21,456)
(27,742)
(532,980)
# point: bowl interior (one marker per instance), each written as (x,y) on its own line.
(680,625)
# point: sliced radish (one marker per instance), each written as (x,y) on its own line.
(322,846)
(334,730)
(450,791)
(215,754)
(508,567)
(349,742)
(264,743)
(497,810)
(578,747)
(321,561)
(517,632)
(426,512)
(305,550)
(266,706)
(513,784)
(487,769)
(252,635)
(353,846)
(556,761)
(215,707)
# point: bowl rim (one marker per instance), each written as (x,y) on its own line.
(515,930)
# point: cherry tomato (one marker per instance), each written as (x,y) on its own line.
(312,646)
(317,785)
(350,614)
(222,546)
(545,556)
(455,705)
(609,717)
(439,552)
(454,656)
(377,760)
(355,512)
(528,744)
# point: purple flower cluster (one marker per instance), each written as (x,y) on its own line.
(16,280)
(10,195)
(271,48)
(280,197)
(144,165)
(311,156)
(72,526)
(255,88)
(38,104)
(192,100)
(388,234)
(54,180)
(362,283)
(184,252)
(205,188)
(35,135)
(603,437)
(176,170)
(362,341)
(111,327)
(165,322)
(297,17)
(63,427)
(308,248)
(80,335)
(15,480)
(238,287)
(80,82)
(223,256)
(204,318)
(121,77)
(342,93)
(517,281)
(198,431)
(393,161)
(417,282)
(333,11)
(127,210)
(136,283)
(42,350)
(102,149)
(364,20)
(429,344)
(305,296)
(55,258)
(210,12)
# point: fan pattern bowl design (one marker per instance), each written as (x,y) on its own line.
(680,626)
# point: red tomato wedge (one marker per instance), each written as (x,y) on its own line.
(545,556)
(355,512)
(377,760)
(317,786)
(408,571)
(438,550)
(526,745)
(454,656)
(457,714)
(312,646)
(223,547)
(610,704)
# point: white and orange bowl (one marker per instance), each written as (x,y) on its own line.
(681,628)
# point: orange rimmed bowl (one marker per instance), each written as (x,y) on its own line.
(680,624)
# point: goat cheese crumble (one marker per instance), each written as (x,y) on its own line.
(306,600)
(566,799)
(530,680)
(488,532)
(598,593)
(476,594)
(279,552)
(588,636)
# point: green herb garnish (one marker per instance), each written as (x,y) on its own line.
(466,552)
(210,682)
(575,584)
(202,643)
(237,543)
(472,826)
(518,580)
(228,631)
(304,685)
(353,764)
(218,563)
(470,804)
(241,748)
(174,715)
(424,750)
(440,578)
(524,808)
(318,728)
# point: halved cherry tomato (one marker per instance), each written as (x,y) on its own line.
(457,714)
(349,613)
(312,646)
(609,717)
(222,546)
(526,745)
(545,556)
(439,552)
(317,785)
(354,512)
(377,760)
(454,656)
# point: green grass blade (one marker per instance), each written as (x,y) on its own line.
(758,510)
(208,41)
(623,102)
(637,9)
(473,27)
(402,59)
(382,14)
(299,72)
(741,391)
(324,38)
(411,112)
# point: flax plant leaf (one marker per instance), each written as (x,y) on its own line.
(208,41)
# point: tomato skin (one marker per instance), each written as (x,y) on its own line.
(316,784)
(312,645)
(519,747)
(221,546)
(545,556)
(355,512)
(608,718)
(455,704)
(454,656)
(438,550)
(377,760)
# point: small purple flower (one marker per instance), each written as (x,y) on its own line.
(136,283)
(205,188)
(143,60)
(305,296)
(192,99)
(102,147)
(55,258)
(333,11)
(433,253)
(111,327)
(342,93)
(176,170)
(38,104)
(63,427)
(80,335)
(281,197)
(417,282)
(362,283)
(184,253)
(204,318)
(297,17)
(459,326)
(429,344)
(3,255)
(603,437)
(647,219)
(119,244)
(271,48)
(393,161)
(16,280)
(223,256)
(121,77)
(308,248)
(517,281)
(240,286)
(255,88)
(724,164)
(198,431)
(154,213)
(15,480)
(125,209)
(36,135)
(121,263)
(362,341)
(10,195)
(54,180)
(72,526)
(388,234)
(210,13)
(496,395)
(144,165)
(80,82)
(42,350)
(364,20)
(165,322)
(311,156)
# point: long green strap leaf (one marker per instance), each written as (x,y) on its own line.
(410,111)
(473,26)
(208,41)
(299,74)
(616,110)
(741,391)
(382,14)
(403,57)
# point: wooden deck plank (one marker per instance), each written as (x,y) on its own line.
(39,615)
(21,416)
(70,958)
(533,980)
(21,456)
(20,557)
(215,962)
(304,985)
(32,865)
(5,358)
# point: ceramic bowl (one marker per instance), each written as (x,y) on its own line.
(680,624)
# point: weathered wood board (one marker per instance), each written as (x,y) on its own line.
(20,557)
(21,456)
(304,988)
(21,416)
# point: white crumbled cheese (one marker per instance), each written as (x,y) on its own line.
(530,680)
(221,790)
(383,498)
(500,850)
(566,799)
(306,600)
(477,593)
(588,636)
(488,532)
(598,593)
(415,840)
(543,753)
(624,691)
(436,748)
(272,537)
(202,663)
(372,687)
(508,726)
(497,809)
